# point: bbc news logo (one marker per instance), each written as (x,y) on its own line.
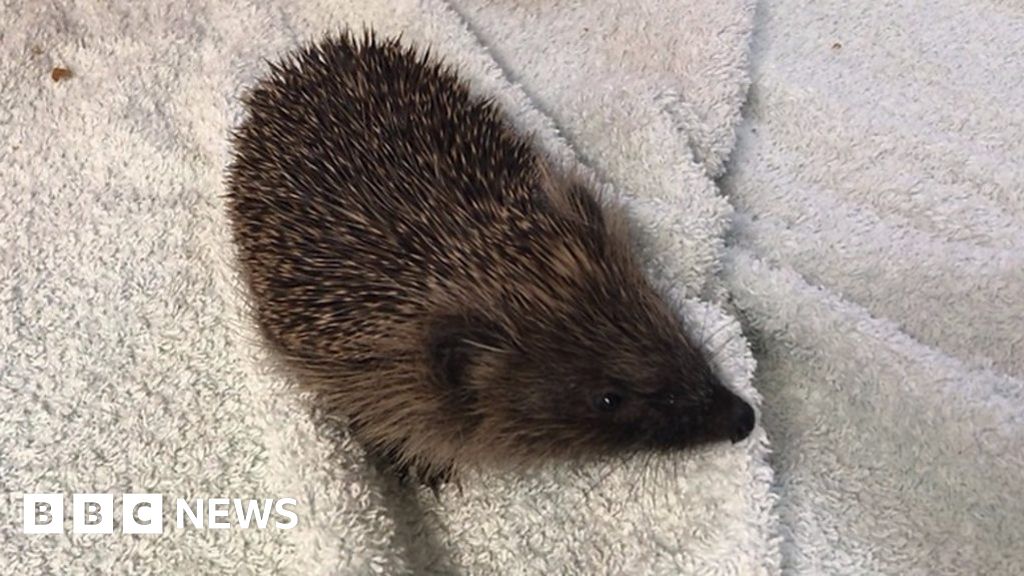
(143,513)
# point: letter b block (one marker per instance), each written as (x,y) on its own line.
(93,513)
(43,513)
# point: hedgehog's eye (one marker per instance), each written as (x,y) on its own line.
(609,401)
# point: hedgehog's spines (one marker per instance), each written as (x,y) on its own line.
(373,197)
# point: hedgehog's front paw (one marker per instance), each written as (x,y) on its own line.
(436,479)
(409,473)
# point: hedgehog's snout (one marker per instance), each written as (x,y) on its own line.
(742,420)
(734,418)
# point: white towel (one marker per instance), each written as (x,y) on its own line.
(879,259)
(127,364)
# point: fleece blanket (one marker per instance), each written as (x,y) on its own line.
(127,362)
(878,258)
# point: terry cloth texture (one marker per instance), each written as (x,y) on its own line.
(128,364)
(878,259)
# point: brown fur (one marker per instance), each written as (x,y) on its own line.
(439,284)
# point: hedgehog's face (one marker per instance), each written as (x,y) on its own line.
(625,396)
(564,393)
(671,401)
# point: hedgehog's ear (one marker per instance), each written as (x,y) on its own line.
(456,343)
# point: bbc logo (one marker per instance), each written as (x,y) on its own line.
(93,513)
(143,513)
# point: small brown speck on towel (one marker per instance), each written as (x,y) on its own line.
(58,74)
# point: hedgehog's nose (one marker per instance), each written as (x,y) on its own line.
(741,418)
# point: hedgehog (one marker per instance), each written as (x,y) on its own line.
(436,281)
